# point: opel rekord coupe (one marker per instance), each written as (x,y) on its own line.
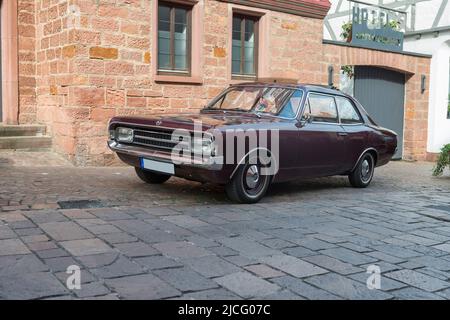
(255,134)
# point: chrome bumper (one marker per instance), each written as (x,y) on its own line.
(210,163)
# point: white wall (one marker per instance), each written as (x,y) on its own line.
(438,124)
(427,44)
(426,12)
(439,47)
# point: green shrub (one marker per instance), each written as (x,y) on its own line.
(346,31)
(443,161)
(393,24)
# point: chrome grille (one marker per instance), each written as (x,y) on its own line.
(161,140)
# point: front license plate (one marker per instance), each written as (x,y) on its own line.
(158,166)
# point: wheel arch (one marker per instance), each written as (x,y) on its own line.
(374,154)
(248,155)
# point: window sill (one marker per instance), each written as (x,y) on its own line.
(178,79)
(237,79)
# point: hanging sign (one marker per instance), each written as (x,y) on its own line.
(376,28)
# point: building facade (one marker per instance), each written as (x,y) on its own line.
(426,26)
(431,35)
(74,64)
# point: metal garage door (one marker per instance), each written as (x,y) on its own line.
(382,93)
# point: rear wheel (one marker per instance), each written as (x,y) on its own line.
(248,185)
(151,177)
(362,175)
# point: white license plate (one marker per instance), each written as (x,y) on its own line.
(158,166)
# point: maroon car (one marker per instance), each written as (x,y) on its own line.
(254,134)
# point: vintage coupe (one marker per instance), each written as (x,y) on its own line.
(320,131)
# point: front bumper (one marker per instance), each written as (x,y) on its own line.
(210,163)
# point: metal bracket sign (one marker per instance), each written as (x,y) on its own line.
(371,29)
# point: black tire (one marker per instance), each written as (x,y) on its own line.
(241,191)
(362,175)
(151,177)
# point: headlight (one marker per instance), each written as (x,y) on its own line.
(124,135)
(112,134)
(203,146)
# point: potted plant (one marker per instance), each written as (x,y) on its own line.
(393,24)
(443,161)
(348,71)
(346,33)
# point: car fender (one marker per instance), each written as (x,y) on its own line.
(254,151)
(360,156)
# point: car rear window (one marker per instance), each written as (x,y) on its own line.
(347,112)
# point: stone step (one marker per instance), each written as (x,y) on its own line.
(26,142)
(22,130)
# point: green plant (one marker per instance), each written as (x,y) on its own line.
(443,161)
(346,30)
(393,24)
(348,70)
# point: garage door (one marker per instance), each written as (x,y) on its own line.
(382,93)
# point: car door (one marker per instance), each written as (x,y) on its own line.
(286,125)
(357,134)
(321,139)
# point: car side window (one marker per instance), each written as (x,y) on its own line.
(347,111)
(322,108)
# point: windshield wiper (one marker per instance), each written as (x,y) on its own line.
(225,110)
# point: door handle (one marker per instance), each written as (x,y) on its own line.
(342,134)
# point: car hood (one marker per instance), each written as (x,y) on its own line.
(208,120)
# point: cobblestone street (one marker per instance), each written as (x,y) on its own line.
(310,239)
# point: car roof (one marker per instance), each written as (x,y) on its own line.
(292,85)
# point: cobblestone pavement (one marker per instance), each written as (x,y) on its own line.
(310,239)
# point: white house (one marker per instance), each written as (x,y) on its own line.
(426,24)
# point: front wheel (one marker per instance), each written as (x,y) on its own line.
(151,177)
(363,173)
(248,185)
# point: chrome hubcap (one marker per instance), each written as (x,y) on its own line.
(252,176)
(365,170)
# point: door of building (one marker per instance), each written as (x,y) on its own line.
(382,93)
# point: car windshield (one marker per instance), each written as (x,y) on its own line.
(282,102)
